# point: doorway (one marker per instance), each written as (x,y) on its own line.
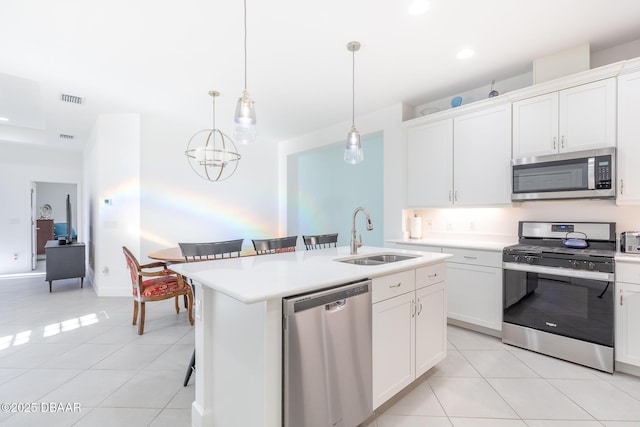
(49,214)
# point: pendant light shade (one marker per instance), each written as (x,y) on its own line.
(244,120)
(212,154)
(353,152)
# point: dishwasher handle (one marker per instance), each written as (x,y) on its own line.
(331,299)
(335,306)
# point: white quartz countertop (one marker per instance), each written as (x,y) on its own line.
(263,277)
(627,257)
(490,243)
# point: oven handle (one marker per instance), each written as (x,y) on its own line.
(559,271)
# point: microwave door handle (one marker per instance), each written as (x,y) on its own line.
(591,173)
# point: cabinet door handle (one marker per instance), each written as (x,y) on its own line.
(622,186)
(455,195)
(562,141)
(419,306)
(470,257)
(397,285)
(620,297)
(554,142)
(449,195)
(432,275)
(413,308)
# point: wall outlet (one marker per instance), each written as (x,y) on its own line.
(15,257)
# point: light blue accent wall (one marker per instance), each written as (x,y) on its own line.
(323,191)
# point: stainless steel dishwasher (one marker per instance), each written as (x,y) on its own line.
(327,357)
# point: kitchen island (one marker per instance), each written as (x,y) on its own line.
(238,336)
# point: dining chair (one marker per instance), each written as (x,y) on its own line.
(160,284)
(193,252)
(320,241)
(275,246)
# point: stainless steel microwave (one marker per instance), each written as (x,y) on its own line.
(589,174)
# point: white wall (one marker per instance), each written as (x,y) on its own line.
(179,206)
(20,165)
(112,172)
(387,121)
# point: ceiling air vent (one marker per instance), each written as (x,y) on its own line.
(64,97)
(65,136)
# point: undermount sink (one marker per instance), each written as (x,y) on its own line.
(377,259)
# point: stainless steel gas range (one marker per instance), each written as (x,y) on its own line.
(558,291)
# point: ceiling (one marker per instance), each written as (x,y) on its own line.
(147,56)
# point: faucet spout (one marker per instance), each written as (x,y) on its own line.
(354,240)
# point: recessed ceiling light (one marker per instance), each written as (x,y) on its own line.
(418,7)
(465,53)
(4,119)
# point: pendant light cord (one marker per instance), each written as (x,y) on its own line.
(353,88)
(245,44)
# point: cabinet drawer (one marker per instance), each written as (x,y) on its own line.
(629,273)
(392,285)
(474,257)
(431,275)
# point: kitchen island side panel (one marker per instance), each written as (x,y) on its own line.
(238,362)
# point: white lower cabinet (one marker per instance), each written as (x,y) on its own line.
(627,313)
(409,328)
(431,327)
(474,285)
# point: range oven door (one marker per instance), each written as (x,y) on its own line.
(570,303)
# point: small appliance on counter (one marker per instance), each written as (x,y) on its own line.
(630,242)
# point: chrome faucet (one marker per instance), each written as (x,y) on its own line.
(354,242)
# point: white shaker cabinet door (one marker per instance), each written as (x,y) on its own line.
(535,126)
(431,326)
(475,294)
(482,153)
(588,116)
(628,139)
(430,164)
(393,346)
(628,323)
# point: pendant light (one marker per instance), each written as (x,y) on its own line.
(244,130)
(211,153)
(353,152)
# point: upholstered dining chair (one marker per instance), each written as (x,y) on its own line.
(160,284)
(320,241)
(274,246)
(193,252)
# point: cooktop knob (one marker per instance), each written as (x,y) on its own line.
(591,266)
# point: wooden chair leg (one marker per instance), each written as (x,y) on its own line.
(135,312)
(185,301)
(177,305)
(190,308)
(141,324)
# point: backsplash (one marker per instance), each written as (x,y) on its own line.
(494,221)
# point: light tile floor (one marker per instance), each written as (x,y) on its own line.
(72,348)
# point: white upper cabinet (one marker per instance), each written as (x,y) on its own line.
(535,126)
(628,138)
(430,164)
(462,161)
(574,119)
(482,157)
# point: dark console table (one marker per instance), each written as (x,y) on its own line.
(65,261)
